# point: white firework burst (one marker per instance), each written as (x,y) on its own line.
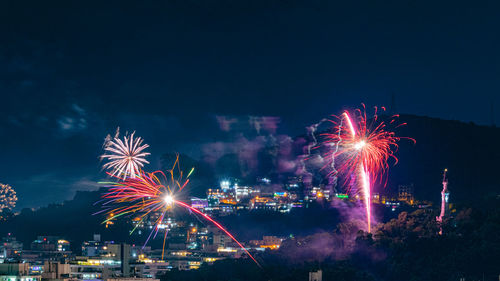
(125,157)
(8,197)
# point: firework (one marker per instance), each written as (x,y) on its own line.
(149,193)
(8,197)
(126,156)
(363,148)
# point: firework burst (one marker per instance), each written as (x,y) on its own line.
(126,157)
(8,197)
(363,148)
(149,193)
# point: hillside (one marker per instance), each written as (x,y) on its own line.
(470,153)
(467,150)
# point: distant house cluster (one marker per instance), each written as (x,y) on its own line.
(231,197)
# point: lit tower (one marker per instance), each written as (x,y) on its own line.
(445,195)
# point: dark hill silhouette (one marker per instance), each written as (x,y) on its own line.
(470,152)
(73,220)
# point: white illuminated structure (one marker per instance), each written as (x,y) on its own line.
(445,195)
(224,185)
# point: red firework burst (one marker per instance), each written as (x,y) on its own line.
(357,140)
(363,148)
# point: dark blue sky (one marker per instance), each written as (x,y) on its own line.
(72,71)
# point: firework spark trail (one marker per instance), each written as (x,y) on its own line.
(365,178)
(126,157)
(147,240)
(148,193)
(367,195)
(219,226)
(365,148)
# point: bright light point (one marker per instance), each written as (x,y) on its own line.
(169,200)
(359,145)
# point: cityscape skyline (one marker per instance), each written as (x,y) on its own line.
(249,140)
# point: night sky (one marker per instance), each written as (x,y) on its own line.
(72,71)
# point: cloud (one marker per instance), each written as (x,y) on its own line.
(225,122)
(254,145)
(75,121)
(84,184)
(267,123)
(14,121)
(67,123)
(78,109)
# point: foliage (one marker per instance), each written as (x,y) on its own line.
(405,248)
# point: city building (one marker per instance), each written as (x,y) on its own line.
(55,271)
(17,272)
(316,275)
(96,268)
(10,249)
(101,260)
(94,247)
(121,252)
(50,243)
(267,242)
(47,248)
(151,268)
(405,194)
(214,196)
(263,203)
(131,279)
(199,203)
